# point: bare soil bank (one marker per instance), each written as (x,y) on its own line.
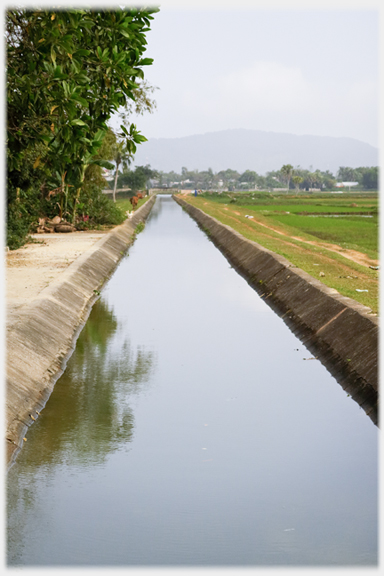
(43,324)
(36,265)
(338,330)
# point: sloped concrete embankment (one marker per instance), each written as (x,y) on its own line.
(41,341)
(339,331)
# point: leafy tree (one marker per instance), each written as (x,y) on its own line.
(142,103)
(142,175)
(286,172)
(328,179)
(346,174)
(137,179)
(166,178)
(249,176)
(370,178)
(205,179)
(297,180)
(94,207)
(364,175)
(107,148)
(121,156)
(270,180)
(229,177)
(311,176)
(25,201)
(67,73)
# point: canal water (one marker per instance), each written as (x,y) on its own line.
(192,428)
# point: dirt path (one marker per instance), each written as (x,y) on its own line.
(34,266)
(354,255)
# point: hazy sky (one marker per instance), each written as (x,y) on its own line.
(302,67)
(286,68)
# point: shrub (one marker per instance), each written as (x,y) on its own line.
(100,209)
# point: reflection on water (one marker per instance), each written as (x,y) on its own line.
(188,430)
(89,414)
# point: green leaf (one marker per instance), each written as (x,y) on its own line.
(81,52)
(58,74)
(131,147)
(140,138)
(99,135)
(78,122)
(80,99)
(66,88)
(87,23)
(103,164)
(82,78)
(145,62)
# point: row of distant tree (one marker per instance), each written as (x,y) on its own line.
(368,178)
(138,178)
(287,177)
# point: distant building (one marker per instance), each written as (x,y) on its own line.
(107,174)
(344,184)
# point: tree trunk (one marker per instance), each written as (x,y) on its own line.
(78,194)
(64,197)
(115,183)
(75,204)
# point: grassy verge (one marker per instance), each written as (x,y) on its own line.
(125,205)
(308,242)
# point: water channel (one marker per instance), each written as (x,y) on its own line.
(192,428)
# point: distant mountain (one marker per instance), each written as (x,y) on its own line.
(254,150)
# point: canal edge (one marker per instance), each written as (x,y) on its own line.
(339,331)
(42,340)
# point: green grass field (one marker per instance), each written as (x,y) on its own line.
(315,232)
(328,202)
(124,204)
(350,232)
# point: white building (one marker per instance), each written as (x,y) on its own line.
(344,184)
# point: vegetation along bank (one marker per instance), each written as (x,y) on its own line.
(333,237)
(68,72)
(339,331)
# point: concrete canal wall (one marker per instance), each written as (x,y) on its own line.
(339,331)
(41,341)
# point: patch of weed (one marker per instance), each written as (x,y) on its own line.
(139,228)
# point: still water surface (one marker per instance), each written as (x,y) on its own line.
(191,428)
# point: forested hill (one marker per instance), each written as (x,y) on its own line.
(254,150)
